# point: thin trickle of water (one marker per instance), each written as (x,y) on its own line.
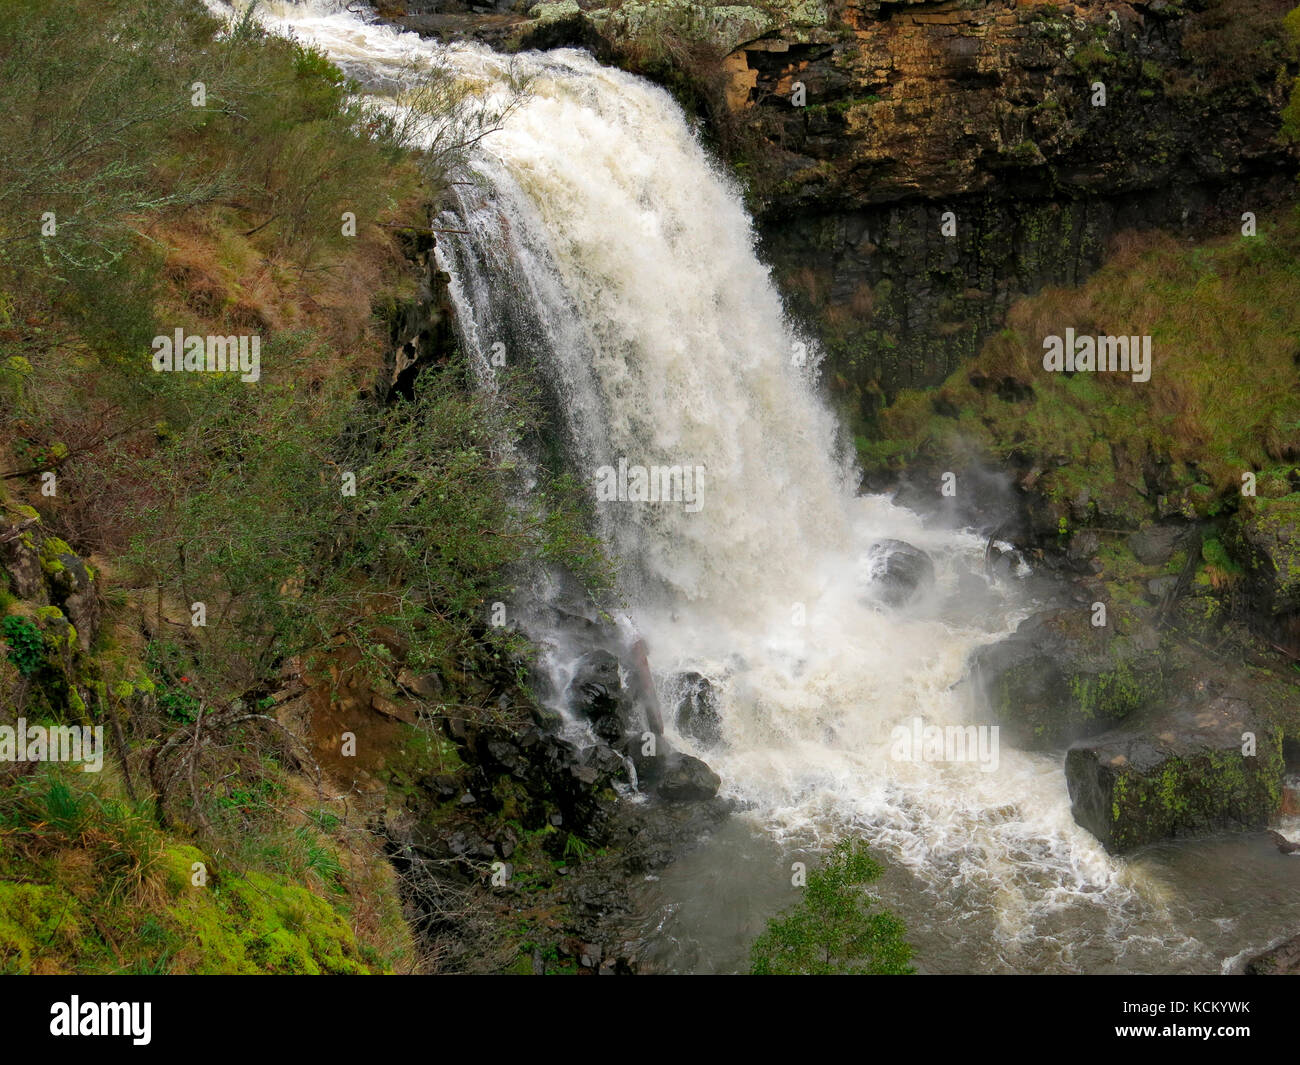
(604,245)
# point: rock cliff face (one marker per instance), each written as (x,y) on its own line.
(1043,129)
(994,112)
(950,99)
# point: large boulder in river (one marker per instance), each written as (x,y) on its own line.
(1059,678)
(615,693)
(1282,960)
(688,779)
(672,775)
(1198,766)
(898,570)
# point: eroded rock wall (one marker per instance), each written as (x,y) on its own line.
(993,111)
(857,125)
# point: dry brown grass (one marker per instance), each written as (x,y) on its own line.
(219,279)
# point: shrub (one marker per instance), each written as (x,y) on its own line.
(835,929)
(26,644)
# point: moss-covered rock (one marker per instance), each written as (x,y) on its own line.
(35,919)
(556,11)
(51,657)
(257,924)
(1196,767)
(21,559)
(1265,540)
(1059,678)
(72,584)
(724,27)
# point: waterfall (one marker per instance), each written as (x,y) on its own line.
(605,242)
(605,245)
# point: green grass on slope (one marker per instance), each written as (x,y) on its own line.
(1223,398)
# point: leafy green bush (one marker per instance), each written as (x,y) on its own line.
(835,930)
(151,109)
(265,532)
(26,644)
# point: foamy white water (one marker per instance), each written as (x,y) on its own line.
(604,244)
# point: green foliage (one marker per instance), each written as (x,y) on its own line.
(576,848)
(1092,57)
(835,929)
(66,810)
(89,883)
(106,131)
(260,925)
(87,110)
(14,372)
(165,660)
(224,215)
(53,810)
(33,918)
(1216,555)
(264,533)
(26,644)
(1224,324)
(321,859)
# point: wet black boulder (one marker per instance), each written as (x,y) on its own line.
(899,571)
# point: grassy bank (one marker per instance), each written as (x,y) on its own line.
(1225,327)
(218,540)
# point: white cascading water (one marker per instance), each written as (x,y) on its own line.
(603,241)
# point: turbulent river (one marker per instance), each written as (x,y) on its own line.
(603,240)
